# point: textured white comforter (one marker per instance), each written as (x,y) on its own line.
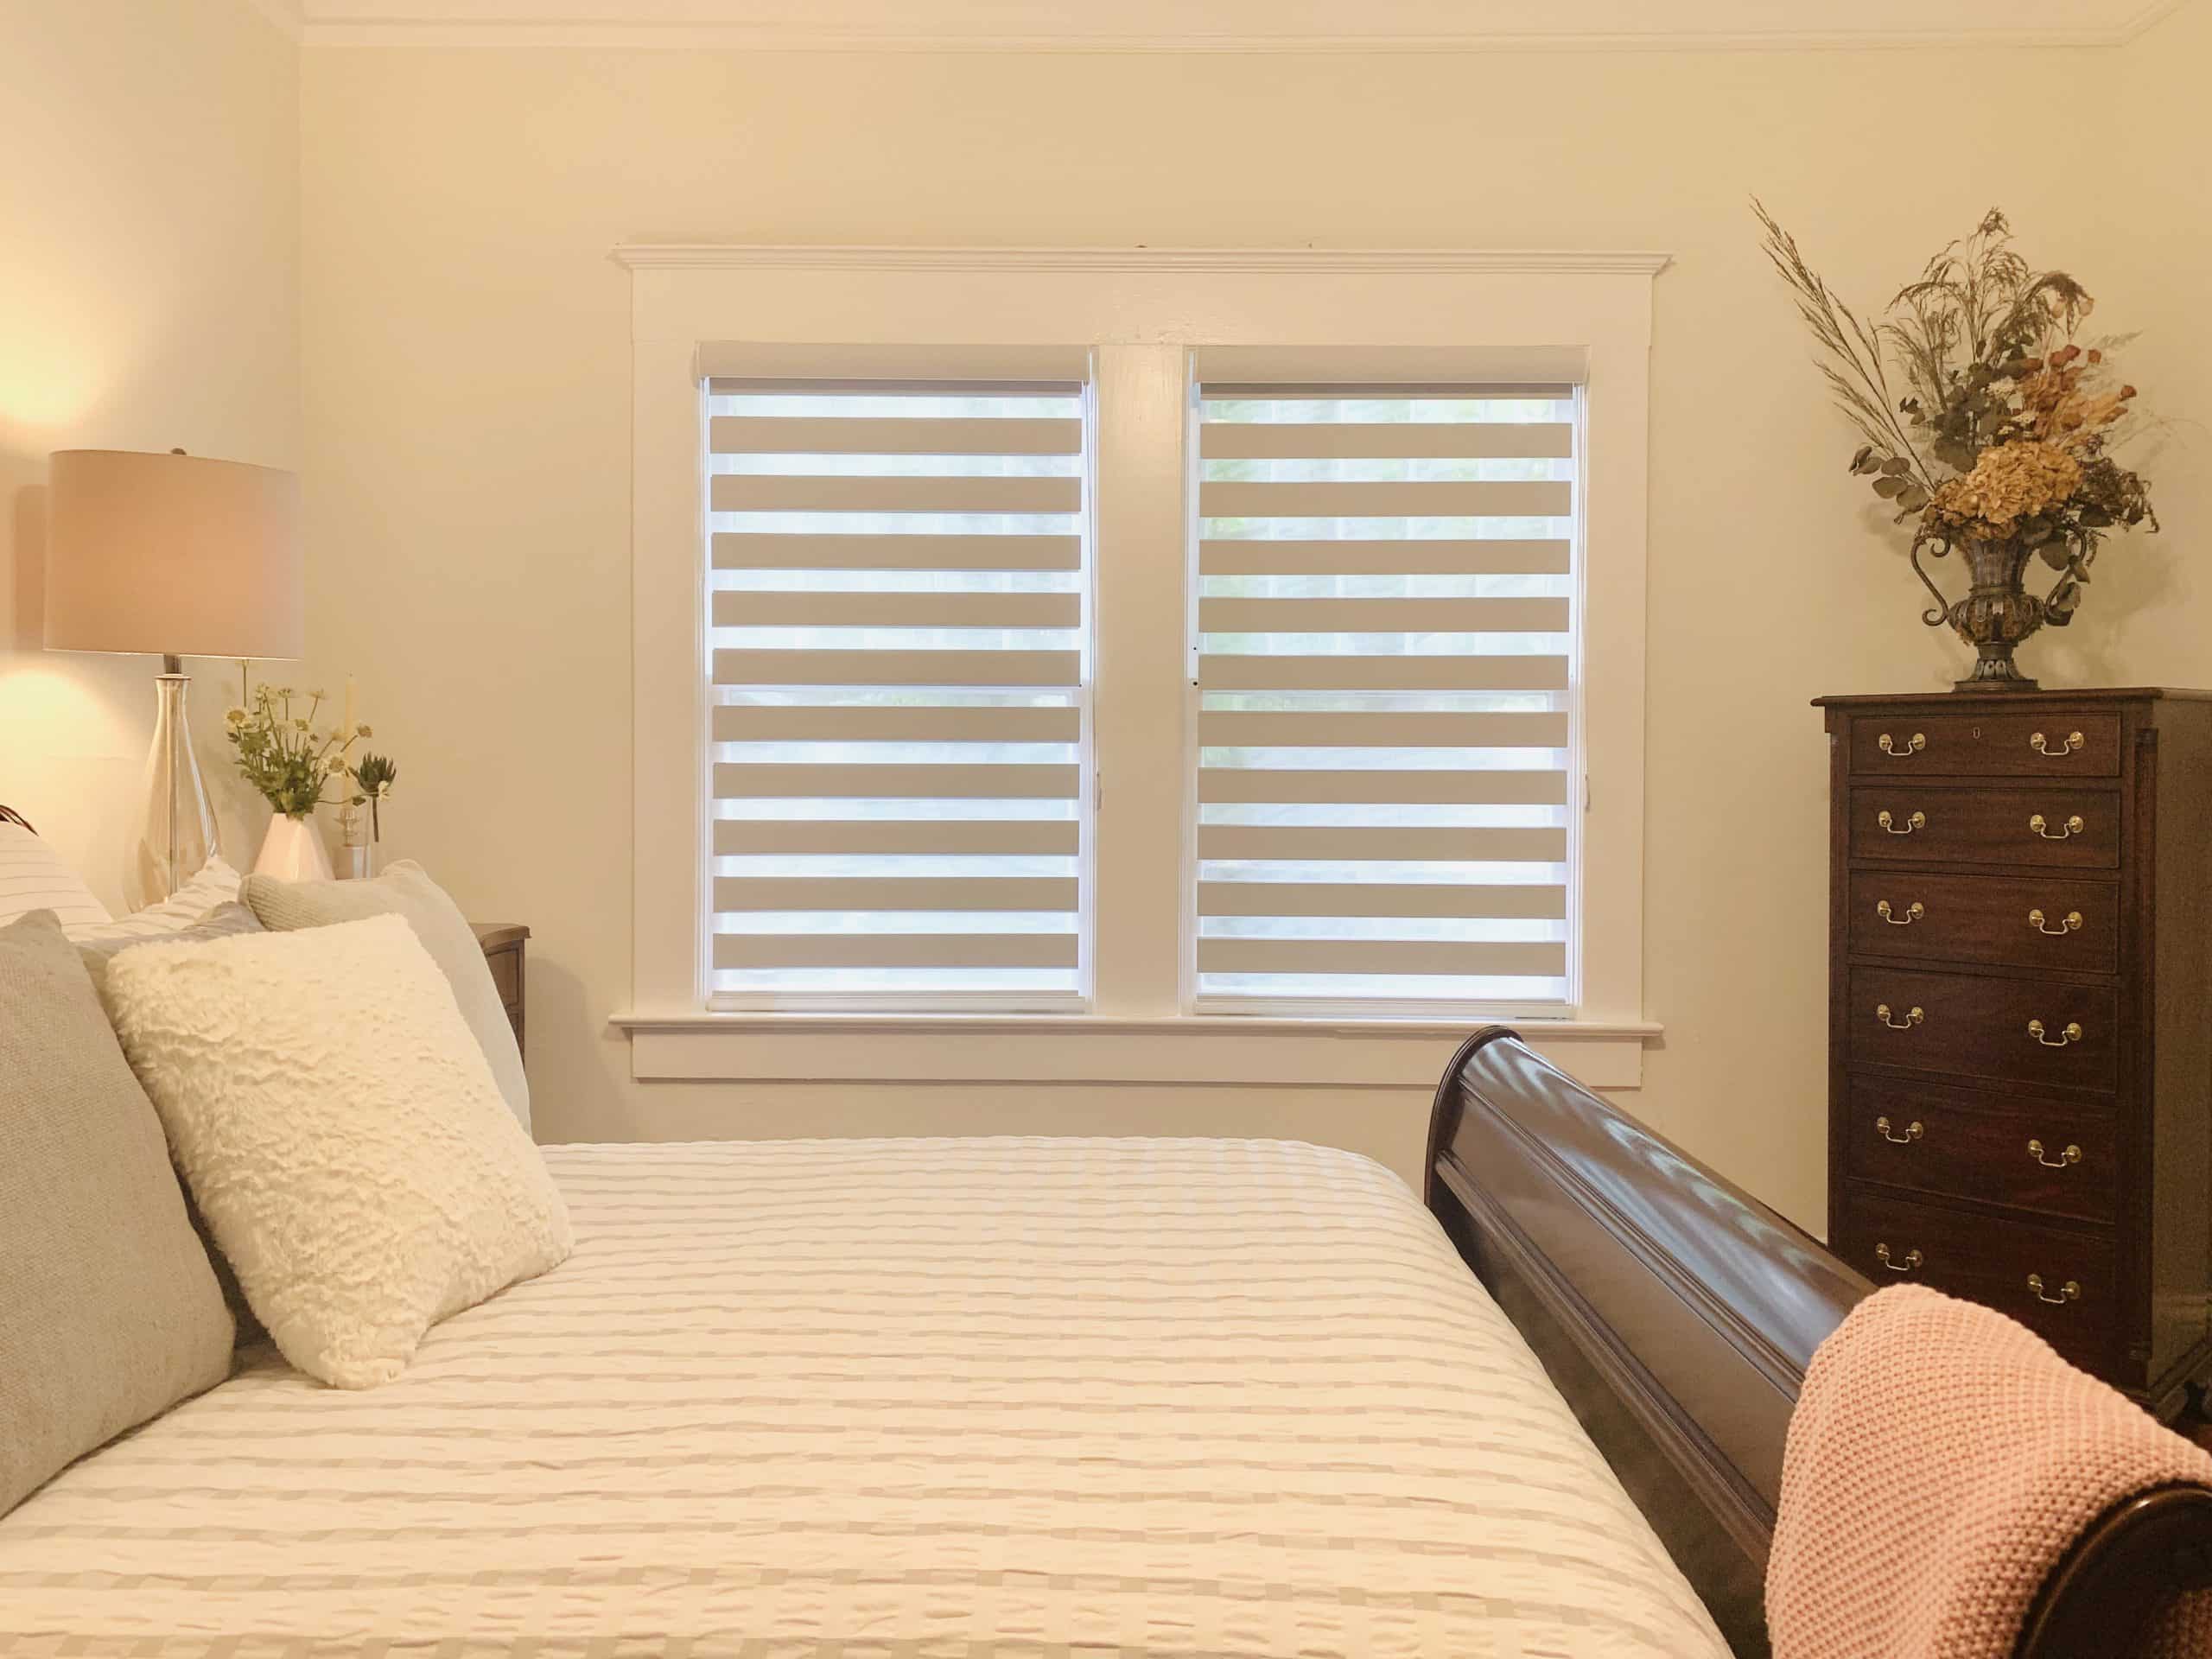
(896,1398)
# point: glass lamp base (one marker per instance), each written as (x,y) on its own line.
(179,832)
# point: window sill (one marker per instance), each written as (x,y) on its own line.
(1192,1050)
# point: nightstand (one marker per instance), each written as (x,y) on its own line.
(503,943)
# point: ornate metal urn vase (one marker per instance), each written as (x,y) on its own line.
(1996,613)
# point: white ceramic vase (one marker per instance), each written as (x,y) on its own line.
(292,850)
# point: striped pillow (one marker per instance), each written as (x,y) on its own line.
(216,884)
(33,877)
(99,946)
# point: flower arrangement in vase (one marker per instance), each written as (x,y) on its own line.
(1999,447)
(291,760)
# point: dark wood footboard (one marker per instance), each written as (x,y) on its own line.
(1675,1312)
(1676,1315)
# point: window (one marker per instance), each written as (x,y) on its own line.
(898,703)
(1008,712)
(1385,671)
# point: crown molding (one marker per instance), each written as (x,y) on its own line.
(289,19)
(1228,26)
(2149,18)
(711,256)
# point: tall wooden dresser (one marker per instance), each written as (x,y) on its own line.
(2020,1013)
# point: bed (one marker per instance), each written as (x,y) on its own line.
(1144,1397)
(1046,1397)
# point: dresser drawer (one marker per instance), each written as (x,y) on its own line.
(2068,829)
(1987,745)
(1974,1025)
(2025,922)
(1988,1259)
(2058,1159)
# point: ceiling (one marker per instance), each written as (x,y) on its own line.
(1226,25)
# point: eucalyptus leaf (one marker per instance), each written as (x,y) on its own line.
(1897,466)
(1889,488)
(2054,553)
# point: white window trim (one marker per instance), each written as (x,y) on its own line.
(1509,315)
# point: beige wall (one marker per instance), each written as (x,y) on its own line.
(149,299)
(2160,595)
(467,424)
(468,420)
(466,356)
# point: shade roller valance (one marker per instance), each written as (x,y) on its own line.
(1277,369)
(964,363)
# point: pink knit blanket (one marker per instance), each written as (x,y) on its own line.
(1941,1461)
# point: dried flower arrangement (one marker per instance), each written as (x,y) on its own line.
(2001,444)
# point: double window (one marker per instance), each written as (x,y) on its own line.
(1379,754)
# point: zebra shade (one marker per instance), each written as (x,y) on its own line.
(897,622)
(1385,676)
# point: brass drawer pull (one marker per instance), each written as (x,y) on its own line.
(1913,1017)
(2071,1156)
(2075,742)
(2068,924)
(1911,746)
(1910,1263)
(1917,821)
(2068,1292)
(2071,1034)
(1913,1131)
(2041,826)
(1913,912)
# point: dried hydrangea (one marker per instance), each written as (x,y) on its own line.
(2008,482)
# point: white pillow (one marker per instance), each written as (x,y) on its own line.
(33,877)
(406,889)
(340,1131)
(215,886)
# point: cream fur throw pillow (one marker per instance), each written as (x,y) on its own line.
(341,1132)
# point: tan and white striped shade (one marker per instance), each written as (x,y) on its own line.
(1386,580)
(897,611)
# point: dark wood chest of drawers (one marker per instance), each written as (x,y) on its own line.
(2020,1013)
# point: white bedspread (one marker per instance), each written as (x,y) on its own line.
(905,1399)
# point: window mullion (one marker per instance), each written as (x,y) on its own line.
(1139,715)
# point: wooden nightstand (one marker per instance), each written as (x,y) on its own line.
(503,943)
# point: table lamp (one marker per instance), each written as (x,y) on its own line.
(173,556)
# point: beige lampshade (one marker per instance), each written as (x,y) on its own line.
(173,554)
